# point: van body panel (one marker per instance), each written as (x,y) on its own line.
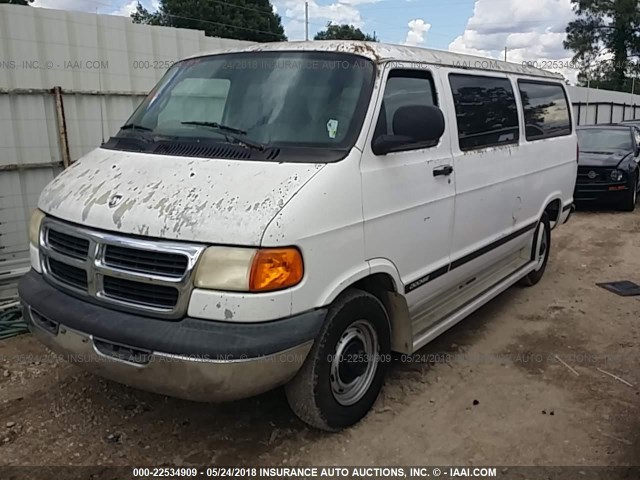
(501,191)
(489,190)
(177,198)
(438,223)
(325,222)
(408,211)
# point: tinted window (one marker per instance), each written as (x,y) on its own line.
(546,112)
(486,111)
(404,87)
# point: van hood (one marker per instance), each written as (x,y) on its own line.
(177,198)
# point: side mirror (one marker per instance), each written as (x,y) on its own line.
(413,126)
(384,144)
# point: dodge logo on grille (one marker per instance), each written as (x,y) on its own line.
(115,200)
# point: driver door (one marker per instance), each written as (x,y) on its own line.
(408,195)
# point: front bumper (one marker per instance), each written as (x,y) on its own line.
(600,192)
(191,358)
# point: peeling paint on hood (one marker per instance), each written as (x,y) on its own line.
(177,198)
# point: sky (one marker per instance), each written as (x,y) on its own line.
(531,30)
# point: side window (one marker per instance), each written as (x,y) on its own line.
(636,135)
(546,110)
(404,88)
(486,111)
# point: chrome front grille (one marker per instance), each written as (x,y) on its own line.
(140,293)
(131,274)
(163,263)
(74,276)
(68,245)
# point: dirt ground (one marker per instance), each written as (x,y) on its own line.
(491,391)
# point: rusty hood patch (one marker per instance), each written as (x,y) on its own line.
(178,198)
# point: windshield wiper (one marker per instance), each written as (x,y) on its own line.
(240,136)
(134,126)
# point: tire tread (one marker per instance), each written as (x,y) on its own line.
(300,391)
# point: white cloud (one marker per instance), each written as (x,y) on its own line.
(417,29)
(358,2)
(335,12)
(339,12)
(109,7)
(74,5)
(126,9)
(295,29)
(531,31)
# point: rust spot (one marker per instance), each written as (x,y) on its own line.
(365,49)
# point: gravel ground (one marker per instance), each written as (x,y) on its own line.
(491,391)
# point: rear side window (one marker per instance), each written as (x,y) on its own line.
(486,111)
(546,110)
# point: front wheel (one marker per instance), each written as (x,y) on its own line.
(631,197)
(344,371)
(539,251)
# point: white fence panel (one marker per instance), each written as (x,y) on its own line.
(104,66)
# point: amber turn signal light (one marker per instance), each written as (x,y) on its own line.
(275,269)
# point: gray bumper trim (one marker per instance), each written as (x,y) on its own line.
(192,378)
(188,336)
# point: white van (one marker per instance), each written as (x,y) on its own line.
(291,213)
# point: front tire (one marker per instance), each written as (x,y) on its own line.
(629,202)
(344,371)
(539,251)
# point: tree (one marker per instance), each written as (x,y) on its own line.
(610,28)
(142,15)
(344,32)
(252,20)
(17,2)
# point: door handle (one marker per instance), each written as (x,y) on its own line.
(443,170)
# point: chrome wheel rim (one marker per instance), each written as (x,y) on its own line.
(541,246)
(355,363)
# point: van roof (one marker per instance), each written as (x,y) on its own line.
(383,52)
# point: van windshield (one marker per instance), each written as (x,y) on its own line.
(297,99)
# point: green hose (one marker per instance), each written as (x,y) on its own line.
(11,323)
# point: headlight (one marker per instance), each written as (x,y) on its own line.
(617,175)
(249,269)
(34,226)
